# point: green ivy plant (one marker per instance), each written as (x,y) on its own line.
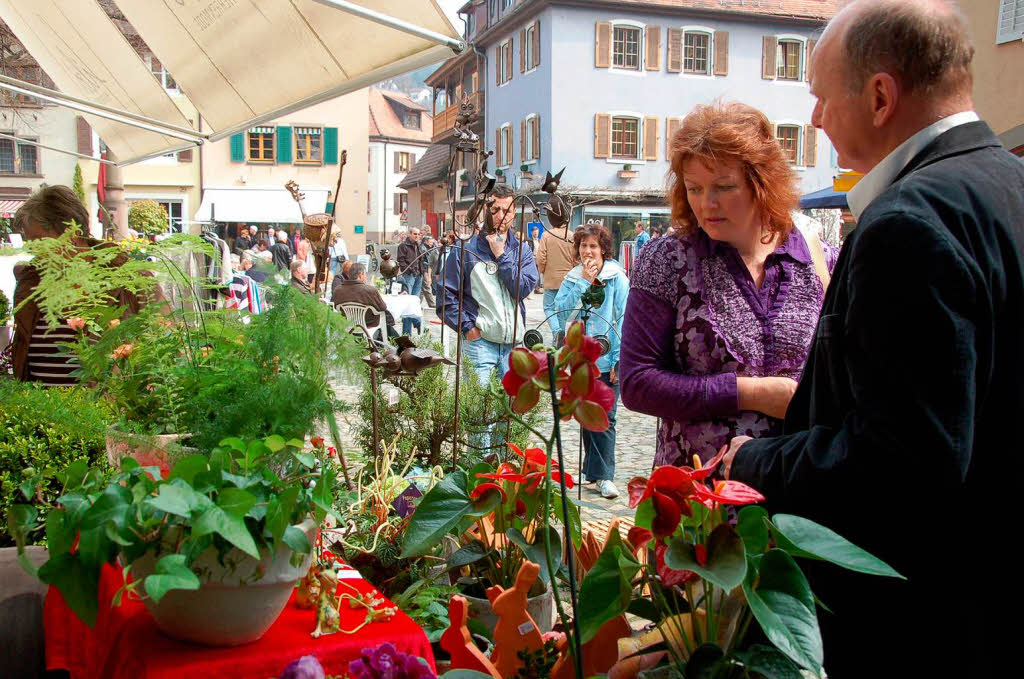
(245,495)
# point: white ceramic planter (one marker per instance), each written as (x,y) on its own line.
(540,607)
(236,603)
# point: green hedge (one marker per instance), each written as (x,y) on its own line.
(44,428)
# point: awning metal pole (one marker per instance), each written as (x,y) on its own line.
(157,154)
(457,46)
(411,63)
(54,148)
(101,111)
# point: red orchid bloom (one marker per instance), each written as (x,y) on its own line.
(484,488)
(587,398)
(527,377)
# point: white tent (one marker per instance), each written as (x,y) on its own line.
(240,63)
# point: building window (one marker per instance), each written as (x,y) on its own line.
(532,141)
(404,161)
(17,158)
(261,145)
(506,146)
(160,73)
(787,59)
(402,205)
(505,62)
(173,210)
(696,53)
(528,44)
(789,140)
(626,48)
(507,4)
(625,137)
(308,145)
(411,120)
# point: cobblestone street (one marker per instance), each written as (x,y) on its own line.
(635,432)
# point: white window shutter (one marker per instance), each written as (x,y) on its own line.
(1010,23)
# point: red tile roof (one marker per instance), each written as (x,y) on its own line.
(805,9)
(384,122)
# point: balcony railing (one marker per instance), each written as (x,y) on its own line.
(445,120)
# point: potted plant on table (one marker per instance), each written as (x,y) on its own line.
(214,550)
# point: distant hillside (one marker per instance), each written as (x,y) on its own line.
(413,84)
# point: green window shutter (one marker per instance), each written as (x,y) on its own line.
(330,146)
(284,144)
(238,148)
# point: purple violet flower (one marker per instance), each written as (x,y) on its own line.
(386,662)
(306,667)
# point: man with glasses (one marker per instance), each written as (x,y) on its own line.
(499,274)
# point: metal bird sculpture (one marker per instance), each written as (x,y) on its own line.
(388,268)
(558,211)
(464,119)
(551,183)
(415,360)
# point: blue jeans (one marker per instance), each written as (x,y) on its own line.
(412,284)
(556,321)
(408,323)
(599,447)
(486,357)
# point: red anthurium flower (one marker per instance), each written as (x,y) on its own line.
(535,479)
(670,490)
(533,456)
(668,512)
(669,576)
(702,471)
(520,508)
(729,493)
(505,472)
(636,487)
(639,537)
(701,554)
(483,488)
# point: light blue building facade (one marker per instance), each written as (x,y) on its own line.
(599,87)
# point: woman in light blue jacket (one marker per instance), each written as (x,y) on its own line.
(593,249)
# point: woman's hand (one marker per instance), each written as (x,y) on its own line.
(591,267)
(768,395)
(613,375)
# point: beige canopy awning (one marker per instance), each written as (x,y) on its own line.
(240,63)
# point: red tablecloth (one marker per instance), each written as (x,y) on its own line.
(125,644)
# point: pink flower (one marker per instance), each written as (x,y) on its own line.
(76,324)
(114,322)
(123,351)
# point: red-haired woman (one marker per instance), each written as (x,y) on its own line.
(722,311)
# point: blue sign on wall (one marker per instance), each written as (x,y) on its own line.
(530,227)
(359,228)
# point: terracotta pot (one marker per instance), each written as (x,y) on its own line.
(236,603)
(541,608)
(156,450)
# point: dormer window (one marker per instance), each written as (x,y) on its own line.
(411,120)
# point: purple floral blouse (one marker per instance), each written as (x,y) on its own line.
(695,321)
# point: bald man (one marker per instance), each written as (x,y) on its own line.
(904,421)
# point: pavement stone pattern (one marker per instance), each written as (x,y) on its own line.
(635,432)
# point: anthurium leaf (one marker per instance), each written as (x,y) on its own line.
(297,539)
(644,514)
(769,662)
(172,500)
(438,511)
(753,529)
(231,528)
(466,555)
(170,573)
(536,552)
(78,584)
(607,589)
(645,608)
(726,563)
(702,661)
(111,505)
(235,501)
(187,467)
(59,536)
(816,541)
(783,605)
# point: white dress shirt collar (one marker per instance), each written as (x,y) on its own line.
(882,175)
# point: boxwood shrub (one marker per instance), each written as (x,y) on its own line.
(45,429)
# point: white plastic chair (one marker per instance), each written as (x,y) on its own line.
(357,313)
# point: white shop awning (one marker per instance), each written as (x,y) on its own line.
(262,205)
(240,63)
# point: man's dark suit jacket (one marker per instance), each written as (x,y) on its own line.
(362,293)
(903,432)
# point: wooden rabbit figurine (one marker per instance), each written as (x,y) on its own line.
(459,645)
(516,631)
(328,620)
